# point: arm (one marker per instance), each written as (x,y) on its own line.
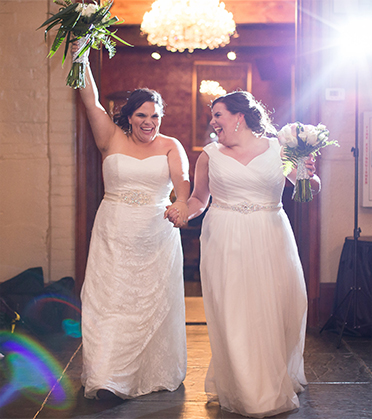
(198,201)
(200,196)
(103,127)
(179,172)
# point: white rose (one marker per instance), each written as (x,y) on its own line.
(286,137)
(79,8)
(321,127)
(309,135)
(89,10)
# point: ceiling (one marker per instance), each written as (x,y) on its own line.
(244,11)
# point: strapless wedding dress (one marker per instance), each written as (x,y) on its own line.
(133,313)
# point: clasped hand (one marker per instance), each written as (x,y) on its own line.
(177,213)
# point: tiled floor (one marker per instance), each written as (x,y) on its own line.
(340,382)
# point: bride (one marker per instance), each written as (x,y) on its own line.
(133,314)
(252,280)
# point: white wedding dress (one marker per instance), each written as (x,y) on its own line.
(133,311)
(253,287)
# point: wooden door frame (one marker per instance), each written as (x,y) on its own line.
(307,110)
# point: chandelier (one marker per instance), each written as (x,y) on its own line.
(188,24)
(211,87)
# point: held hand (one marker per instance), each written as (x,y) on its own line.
(177,213)
(171,214)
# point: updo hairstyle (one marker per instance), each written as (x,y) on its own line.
(136,99)
(255,114)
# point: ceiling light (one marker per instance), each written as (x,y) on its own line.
(155,55)
(181,25)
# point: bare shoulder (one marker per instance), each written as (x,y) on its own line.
(170,143)
(203,159)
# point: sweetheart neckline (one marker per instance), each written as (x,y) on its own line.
(132,157)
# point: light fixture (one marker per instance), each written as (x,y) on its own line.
(231,55)
(155,55)
(211,87)
(181,25)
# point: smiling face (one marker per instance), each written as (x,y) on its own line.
(223,122)
(145,122)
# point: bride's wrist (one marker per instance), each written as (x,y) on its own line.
(181,201)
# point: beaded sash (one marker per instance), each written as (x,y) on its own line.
(131,197)
(245,207)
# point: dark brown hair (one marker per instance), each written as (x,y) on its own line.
(255,114)
(136,99)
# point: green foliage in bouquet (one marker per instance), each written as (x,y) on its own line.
(310,139)
(88,22)
(299,141)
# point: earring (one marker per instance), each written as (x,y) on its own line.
(129,129)
(237,126)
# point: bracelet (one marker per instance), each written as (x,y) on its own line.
(180,201)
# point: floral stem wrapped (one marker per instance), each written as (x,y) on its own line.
(87,23)
(299,142)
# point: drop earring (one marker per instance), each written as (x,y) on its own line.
(237,126)
(129,129)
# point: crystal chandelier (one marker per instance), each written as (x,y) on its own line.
(188,24)
(211,87)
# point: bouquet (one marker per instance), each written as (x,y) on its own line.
(300,141)
(86,23)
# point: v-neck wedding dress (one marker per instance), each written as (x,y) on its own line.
(253,287)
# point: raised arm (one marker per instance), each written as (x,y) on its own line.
(103,127)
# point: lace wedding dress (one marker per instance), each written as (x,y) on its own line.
(253,287)
(133,313)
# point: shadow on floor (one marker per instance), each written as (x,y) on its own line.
(340,383)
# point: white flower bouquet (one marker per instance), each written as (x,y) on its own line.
(87,23)
(300,141)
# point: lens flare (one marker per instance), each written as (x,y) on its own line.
(32,371)
(355,37)
(72,328)
(49,313)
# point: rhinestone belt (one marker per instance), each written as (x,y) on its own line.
(132,197)
(245,207)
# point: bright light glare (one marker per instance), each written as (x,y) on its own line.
(231,55)
(156,56)
(355,39)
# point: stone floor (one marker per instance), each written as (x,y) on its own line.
(340,381)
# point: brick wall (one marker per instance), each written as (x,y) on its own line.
(37,173)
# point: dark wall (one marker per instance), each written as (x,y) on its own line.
(269,48)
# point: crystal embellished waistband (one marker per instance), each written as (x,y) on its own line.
(132,197)
(245,207)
